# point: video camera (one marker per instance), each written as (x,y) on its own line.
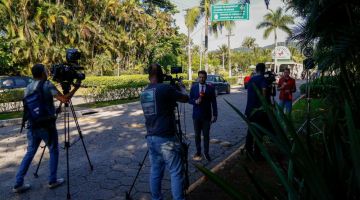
(66,73)
(177,81)
(270,78)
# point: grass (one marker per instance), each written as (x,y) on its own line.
(11,115)
(299,111)
(18,114)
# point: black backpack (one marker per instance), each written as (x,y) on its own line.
(35,110)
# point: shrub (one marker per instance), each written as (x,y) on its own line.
(321,87)
(11,100)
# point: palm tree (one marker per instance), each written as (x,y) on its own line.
(223,49)
(273,21)
(215,27)
(191,19)
(249,42)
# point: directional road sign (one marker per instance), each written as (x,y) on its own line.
(229,12)
(308,52)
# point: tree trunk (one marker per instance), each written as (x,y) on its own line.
(189,57)
(275,57)
(206,42)
(223,60)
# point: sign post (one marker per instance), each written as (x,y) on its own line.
(229,12)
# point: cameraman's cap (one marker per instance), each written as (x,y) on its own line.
(37,70)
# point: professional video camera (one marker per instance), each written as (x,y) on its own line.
(66,73)
(270,78)
(177,81)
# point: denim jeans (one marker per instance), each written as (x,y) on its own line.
(34,138)
(165,152)
(286,105)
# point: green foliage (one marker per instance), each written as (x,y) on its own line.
(12,95)
(322,87)
(135,32)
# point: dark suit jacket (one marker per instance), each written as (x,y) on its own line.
(208,107)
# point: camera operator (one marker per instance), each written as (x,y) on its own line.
(286,86)
(158,102)
(253,108)
(45,131)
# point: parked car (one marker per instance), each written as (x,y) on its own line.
(220,84)
(12,82)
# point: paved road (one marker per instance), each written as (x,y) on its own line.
(115,140)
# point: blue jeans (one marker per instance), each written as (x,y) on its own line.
(286,105)
(34,138)
(163,152)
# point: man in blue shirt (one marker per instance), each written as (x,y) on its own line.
(253,107)
(203,99)
(158,102)
(48,132)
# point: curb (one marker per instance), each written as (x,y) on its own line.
(79,113)
(215,169)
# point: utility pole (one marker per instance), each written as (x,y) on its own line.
(189,52)
(200,49)
(206,42)
(229,35)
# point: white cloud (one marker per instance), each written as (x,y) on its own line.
(242,28)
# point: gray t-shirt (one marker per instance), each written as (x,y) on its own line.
(49,91)
(158,103)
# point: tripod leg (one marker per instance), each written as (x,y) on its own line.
(128,196)
(38,166)
(80,134)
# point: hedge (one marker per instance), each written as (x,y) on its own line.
(104,88)
(11,100)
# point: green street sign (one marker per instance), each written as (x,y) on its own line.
(229,12)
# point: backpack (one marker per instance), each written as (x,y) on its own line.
(35,110)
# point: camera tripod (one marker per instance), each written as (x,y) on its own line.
(67,145)
(308,122)
(184,156)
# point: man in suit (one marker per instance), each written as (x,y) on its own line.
(203,99)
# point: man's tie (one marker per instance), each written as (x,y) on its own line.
(202,88)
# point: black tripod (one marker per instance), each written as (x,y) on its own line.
(66,88)
(308,122)
(184,154)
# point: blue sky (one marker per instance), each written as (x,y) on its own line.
(242,29)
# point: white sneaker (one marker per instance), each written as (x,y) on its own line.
(58,182)
(21,189)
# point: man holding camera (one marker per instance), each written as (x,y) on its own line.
(45,131)
(286,86)
(253,108)
(158,102)
(203,97)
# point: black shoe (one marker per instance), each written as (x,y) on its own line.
(207,157)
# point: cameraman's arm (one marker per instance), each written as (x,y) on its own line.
(65,98)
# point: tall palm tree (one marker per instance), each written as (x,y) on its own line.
(273,21)
(250,43)
(215,27)
(223,49)
(191,19)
